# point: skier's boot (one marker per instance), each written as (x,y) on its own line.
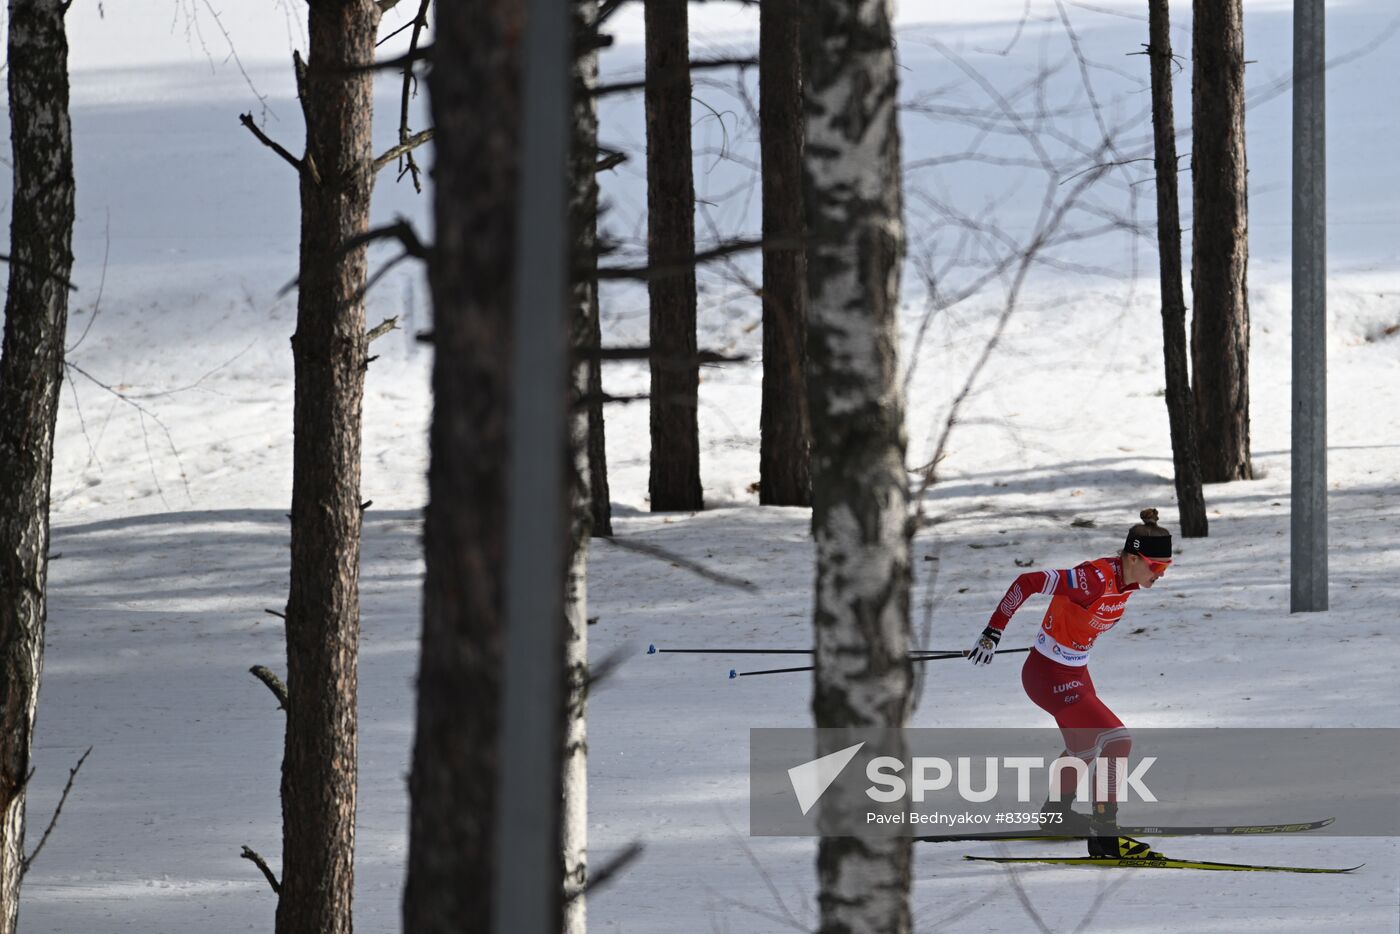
(1059,819)
(1106,842)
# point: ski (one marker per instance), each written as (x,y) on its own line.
(1163,863)
(1139,830)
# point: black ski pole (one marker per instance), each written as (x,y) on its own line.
(653,650)
(733,673)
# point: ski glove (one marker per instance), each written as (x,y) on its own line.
(985,647)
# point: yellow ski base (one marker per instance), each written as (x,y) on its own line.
(1151,864)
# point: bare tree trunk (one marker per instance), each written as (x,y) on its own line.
(1220,242)
(675,374)
(785,437)
(599,495)
(860,487)
(586,140)
(329,350)
(31,373)
(583,220)
(475,94)
(1185,454)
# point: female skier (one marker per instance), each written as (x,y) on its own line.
(1085,602)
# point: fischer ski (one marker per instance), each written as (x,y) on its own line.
(1162,863)
(1138,830)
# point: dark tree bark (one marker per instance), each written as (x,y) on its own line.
(675,374)
(599,495)
(784,434)
(329,349)
(31,373)
(860,486)
(1220,242)
(474,89)
(583,222)
(1185,455)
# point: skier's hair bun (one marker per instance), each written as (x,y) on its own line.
(1149,538)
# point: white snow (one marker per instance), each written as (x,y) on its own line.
(169,521)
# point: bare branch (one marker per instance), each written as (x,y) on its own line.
(421,54)
(704,256)
(47,274)
(611,161)
(410,166)
(274,684)
(250,854)
(143,413)
(646,353)
(293,161)
(609,7)
(702,64)
(299,69)
(382,328)
(404,149)
(401,230)
(605,399)
(28,861)
(101,286)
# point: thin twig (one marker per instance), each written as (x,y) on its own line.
(142,413)
(704,256)
(622,87)
(28,861)
(401,230)
(646,353)
(46,273)
(403,149)
(410,82)
(101,285)
(293,161)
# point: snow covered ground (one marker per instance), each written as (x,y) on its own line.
(169,519)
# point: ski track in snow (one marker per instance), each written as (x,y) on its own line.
(170,534)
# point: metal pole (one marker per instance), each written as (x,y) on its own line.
(1309,500)
(529,881)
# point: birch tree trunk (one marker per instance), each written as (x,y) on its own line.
(1180,415)
(474,90)
(785,438)
(860,491)
(1220,242)
(675,373)
(319,765)
(31,373)
(586,141)
(583,221)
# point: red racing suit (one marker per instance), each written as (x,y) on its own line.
(1085,602)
